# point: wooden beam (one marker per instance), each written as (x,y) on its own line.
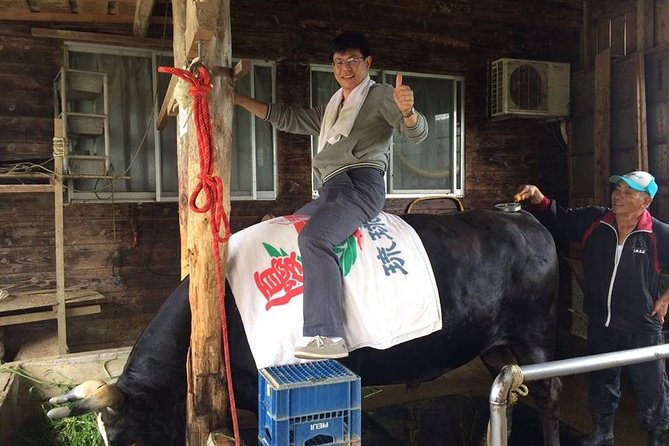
(640,25)
(95,19)
(200,15)
(585,34)
(12,6)
(143,12)
(242,69)
(602,118)
(26,176)
(54,6)
(25,188)
(47,315)
(27,300)
(179,16)
(645,21)
(109,39)
(91,7)
(641,134)
(179,33)
(201,20)
(59,231)
(169,107)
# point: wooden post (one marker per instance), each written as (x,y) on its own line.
(645,20)
(602,149)
(207,397)
(641,134)
(585,36)
(643,13)
(58,151)
(179,33)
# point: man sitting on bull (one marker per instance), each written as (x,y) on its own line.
(354,130)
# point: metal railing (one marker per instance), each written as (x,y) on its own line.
(513,376)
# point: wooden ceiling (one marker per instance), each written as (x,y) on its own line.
(131,17)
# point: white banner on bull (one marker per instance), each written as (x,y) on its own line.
(390,295)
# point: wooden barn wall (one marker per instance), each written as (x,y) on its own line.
(657,103)
(140,242)
(451,38)
(613,24)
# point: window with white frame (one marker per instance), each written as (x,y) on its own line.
(142,158)
(253,140)
(435,166)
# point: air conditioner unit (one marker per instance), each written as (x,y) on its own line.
(529,89)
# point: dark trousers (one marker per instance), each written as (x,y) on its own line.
(345,202)
(649,379)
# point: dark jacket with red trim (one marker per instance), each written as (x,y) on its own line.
(618,295)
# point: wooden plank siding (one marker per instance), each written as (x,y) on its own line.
(657,94)
(457,37)
(638,97)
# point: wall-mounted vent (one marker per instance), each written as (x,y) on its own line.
(529,88)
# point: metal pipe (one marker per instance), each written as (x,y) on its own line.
(592,363)
(504,382)
(509,379)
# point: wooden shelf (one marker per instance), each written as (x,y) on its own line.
(27,176)
(18,186)
(48,314)
(34,306)
(26,188)
(94,177)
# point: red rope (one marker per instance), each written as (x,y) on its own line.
(213,190)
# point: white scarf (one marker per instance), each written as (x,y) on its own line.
(335,125)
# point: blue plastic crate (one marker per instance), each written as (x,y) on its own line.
(316,403)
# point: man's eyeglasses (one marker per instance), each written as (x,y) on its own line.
(352,62)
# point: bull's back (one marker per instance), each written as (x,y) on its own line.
(497,276)
(480,258)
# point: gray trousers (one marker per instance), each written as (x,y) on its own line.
(345,202)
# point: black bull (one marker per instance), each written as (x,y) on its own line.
(497,277)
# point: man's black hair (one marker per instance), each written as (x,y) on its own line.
(348,41)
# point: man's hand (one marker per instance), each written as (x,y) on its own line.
(403,96)
(660,307)
(529,192)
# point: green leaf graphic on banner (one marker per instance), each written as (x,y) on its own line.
(272,251)
(347,253)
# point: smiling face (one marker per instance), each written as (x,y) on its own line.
(350,69)
(627,201)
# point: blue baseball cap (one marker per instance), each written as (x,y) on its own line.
(637,180)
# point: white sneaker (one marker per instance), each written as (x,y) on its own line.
(321,347)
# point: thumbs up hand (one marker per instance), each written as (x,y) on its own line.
(403,96)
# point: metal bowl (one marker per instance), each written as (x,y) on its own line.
(508,207)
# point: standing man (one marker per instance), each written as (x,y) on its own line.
(624,249)
(354,132)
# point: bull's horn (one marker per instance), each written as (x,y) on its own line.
(83,390)
(58,412)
